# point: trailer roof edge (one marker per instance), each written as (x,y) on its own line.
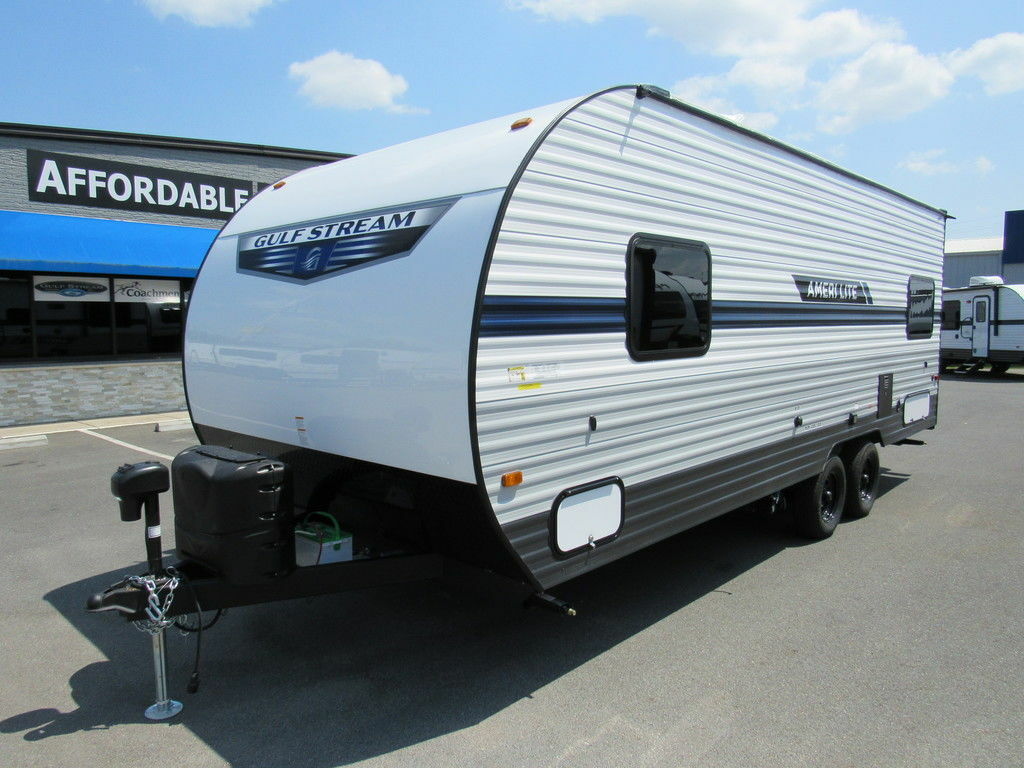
(660,94)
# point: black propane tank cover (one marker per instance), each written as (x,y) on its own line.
(233,513)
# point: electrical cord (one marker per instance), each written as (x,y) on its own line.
(193,681)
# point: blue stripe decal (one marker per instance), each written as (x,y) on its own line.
(548,315)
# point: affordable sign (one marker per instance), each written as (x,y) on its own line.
(75,180)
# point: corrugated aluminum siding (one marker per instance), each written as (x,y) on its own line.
(616,166)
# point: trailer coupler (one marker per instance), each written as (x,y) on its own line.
(129,597)
(550,602)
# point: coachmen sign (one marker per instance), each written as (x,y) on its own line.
(71,288)
(75,180)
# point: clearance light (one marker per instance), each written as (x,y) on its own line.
(279,185)
(522,123)
(511,479)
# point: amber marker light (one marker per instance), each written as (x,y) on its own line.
(279,185)
(521,123)
(511,479)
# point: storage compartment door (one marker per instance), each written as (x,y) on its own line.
(587,516)
(916,407)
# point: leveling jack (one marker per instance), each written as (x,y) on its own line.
(138,487)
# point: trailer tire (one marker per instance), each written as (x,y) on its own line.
(818,503)
(863,472)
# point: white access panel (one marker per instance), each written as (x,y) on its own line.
(586,517)
(916,407)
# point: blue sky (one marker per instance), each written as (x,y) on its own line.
(927,98)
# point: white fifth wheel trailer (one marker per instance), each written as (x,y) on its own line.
(983,323)
(540,343)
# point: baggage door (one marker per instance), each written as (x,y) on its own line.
(979,344)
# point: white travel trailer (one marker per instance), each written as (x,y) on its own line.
(983,323)
(542,342)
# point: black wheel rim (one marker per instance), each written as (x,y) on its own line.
(827,503)
(868,476)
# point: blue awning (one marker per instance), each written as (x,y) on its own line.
(39,242)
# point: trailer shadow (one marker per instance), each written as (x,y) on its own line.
(985,377)
(338,679)
(889,480)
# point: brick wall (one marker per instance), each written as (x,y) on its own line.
(48,393)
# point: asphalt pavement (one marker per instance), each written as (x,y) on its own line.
(897,642)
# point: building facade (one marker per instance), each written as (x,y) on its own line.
(990,256)
(101,236)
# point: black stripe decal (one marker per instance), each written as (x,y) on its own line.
(547,315)
(1008,322)
(761,314)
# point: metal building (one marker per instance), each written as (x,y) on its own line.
(1002,256)
(101,234)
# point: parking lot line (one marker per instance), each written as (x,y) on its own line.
(123,444)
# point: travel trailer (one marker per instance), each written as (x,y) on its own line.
(538,344)
(983,323)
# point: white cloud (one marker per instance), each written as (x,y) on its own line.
(336,79)
(208,13)
(887,82)
(851,68)
(998,61)
(932,162)
(927,163)
(779,31)
(699,92)
(768,74)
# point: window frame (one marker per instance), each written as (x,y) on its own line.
(920,334)
(645,355)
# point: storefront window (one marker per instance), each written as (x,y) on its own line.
(73,329)
(148,316)
(72,316)
(84,316)
(15,318)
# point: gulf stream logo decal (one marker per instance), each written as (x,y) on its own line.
(328,246)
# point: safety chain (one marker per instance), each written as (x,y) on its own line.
(156,610)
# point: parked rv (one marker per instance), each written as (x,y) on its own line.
(983,323)
(560,336)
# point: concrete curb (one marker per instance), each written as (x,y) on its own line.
(104,423)
(173,426)
(29,441)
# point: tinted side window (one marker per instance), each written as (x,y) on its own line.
(920,307)
(951,315)
(668,297)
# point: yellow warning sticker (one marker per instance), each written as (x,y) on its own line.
(534,385)
(522,374)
